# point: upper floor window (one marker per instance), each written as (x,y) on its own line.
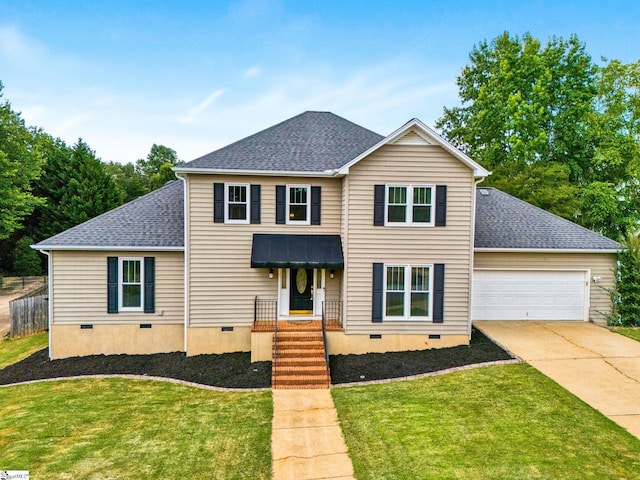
(131,280)
(409,205)
(237,203)
(298,204)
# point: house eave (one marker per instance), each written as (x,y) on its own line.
(264,173)
(118,248)
(545,250)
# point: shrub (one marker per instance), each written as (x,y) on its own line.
(626,295)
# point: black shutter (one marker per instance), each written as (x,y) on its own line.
(149,285)
(438,293)
(218,202)
(112,284)
(316,195)
(441,205)
(281,203)
(378,205)
(378,291)
(255,204)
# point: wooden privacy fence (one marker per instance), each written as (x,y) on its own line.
(30,314)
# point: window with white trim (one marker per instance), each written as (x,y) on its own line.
(407,294)
(237,201)
(130,284)
(409,205)
(298,204)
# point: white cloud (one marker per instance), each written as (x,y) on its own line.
(251,72)
(193,113)
(17,48)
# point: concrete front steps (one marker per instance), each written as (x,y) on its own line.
(299,361)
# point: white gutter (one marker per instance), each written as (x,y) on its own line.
(112,248)
(545,250)
(264,173)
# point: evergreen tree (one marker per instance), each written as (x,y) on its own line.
(26,261)
(76,186)
(20,164)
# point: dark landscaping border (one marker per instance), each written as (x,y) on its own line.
(235,370)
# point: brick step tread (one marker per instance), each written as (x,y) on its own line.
(300,345)
(301,387)
(302,362)
(304,352)
(295,341)
(301,335)
(301,370)
(300,380)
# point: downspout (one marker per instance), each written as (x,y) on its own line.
(473,236)
(186,257)
(50,295)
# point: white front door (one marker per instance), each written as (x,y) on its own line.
(301,292)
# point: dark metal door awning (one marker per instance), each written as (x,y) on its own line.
(296,251)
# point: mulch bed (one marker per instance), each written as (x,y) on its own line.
(379,366)
(235,370)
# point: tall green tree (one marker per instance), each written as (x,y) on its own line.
(526,114)
(20,165)
(75,185)
(617,155)
(26,261)
(130,182)
(156,167)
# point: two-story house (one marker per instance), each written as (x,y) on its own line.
(390,240)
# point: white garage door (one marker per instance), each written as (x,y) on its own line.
(529,295)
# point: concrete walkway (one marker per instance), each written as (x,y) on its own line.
(600,367)
(306,441)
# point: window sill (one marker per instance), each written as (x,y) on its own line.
(407,319)
(398,224)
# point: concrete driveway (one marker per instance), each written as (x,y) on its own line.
(600,367)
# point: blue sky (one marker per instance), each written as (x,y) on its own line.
(195,76)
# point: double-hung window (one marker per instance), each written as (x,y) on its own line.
(407,292)
(409,205)
(237,203)
(130,284)
(298,204)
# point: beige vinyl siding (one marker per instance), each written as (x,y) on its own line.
(407,164)
(222,284)
(80,288)
(599,264)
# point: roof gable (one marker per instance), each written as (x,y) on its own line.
(413,131)
(312,142)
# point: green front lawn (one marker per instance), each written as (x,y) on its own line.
(126,429)
(12,351)
(501,422)
(631,332)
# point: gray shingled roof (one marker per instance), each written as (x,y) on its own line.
(157,220)
(153,220)
(309,142)
(504,222)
